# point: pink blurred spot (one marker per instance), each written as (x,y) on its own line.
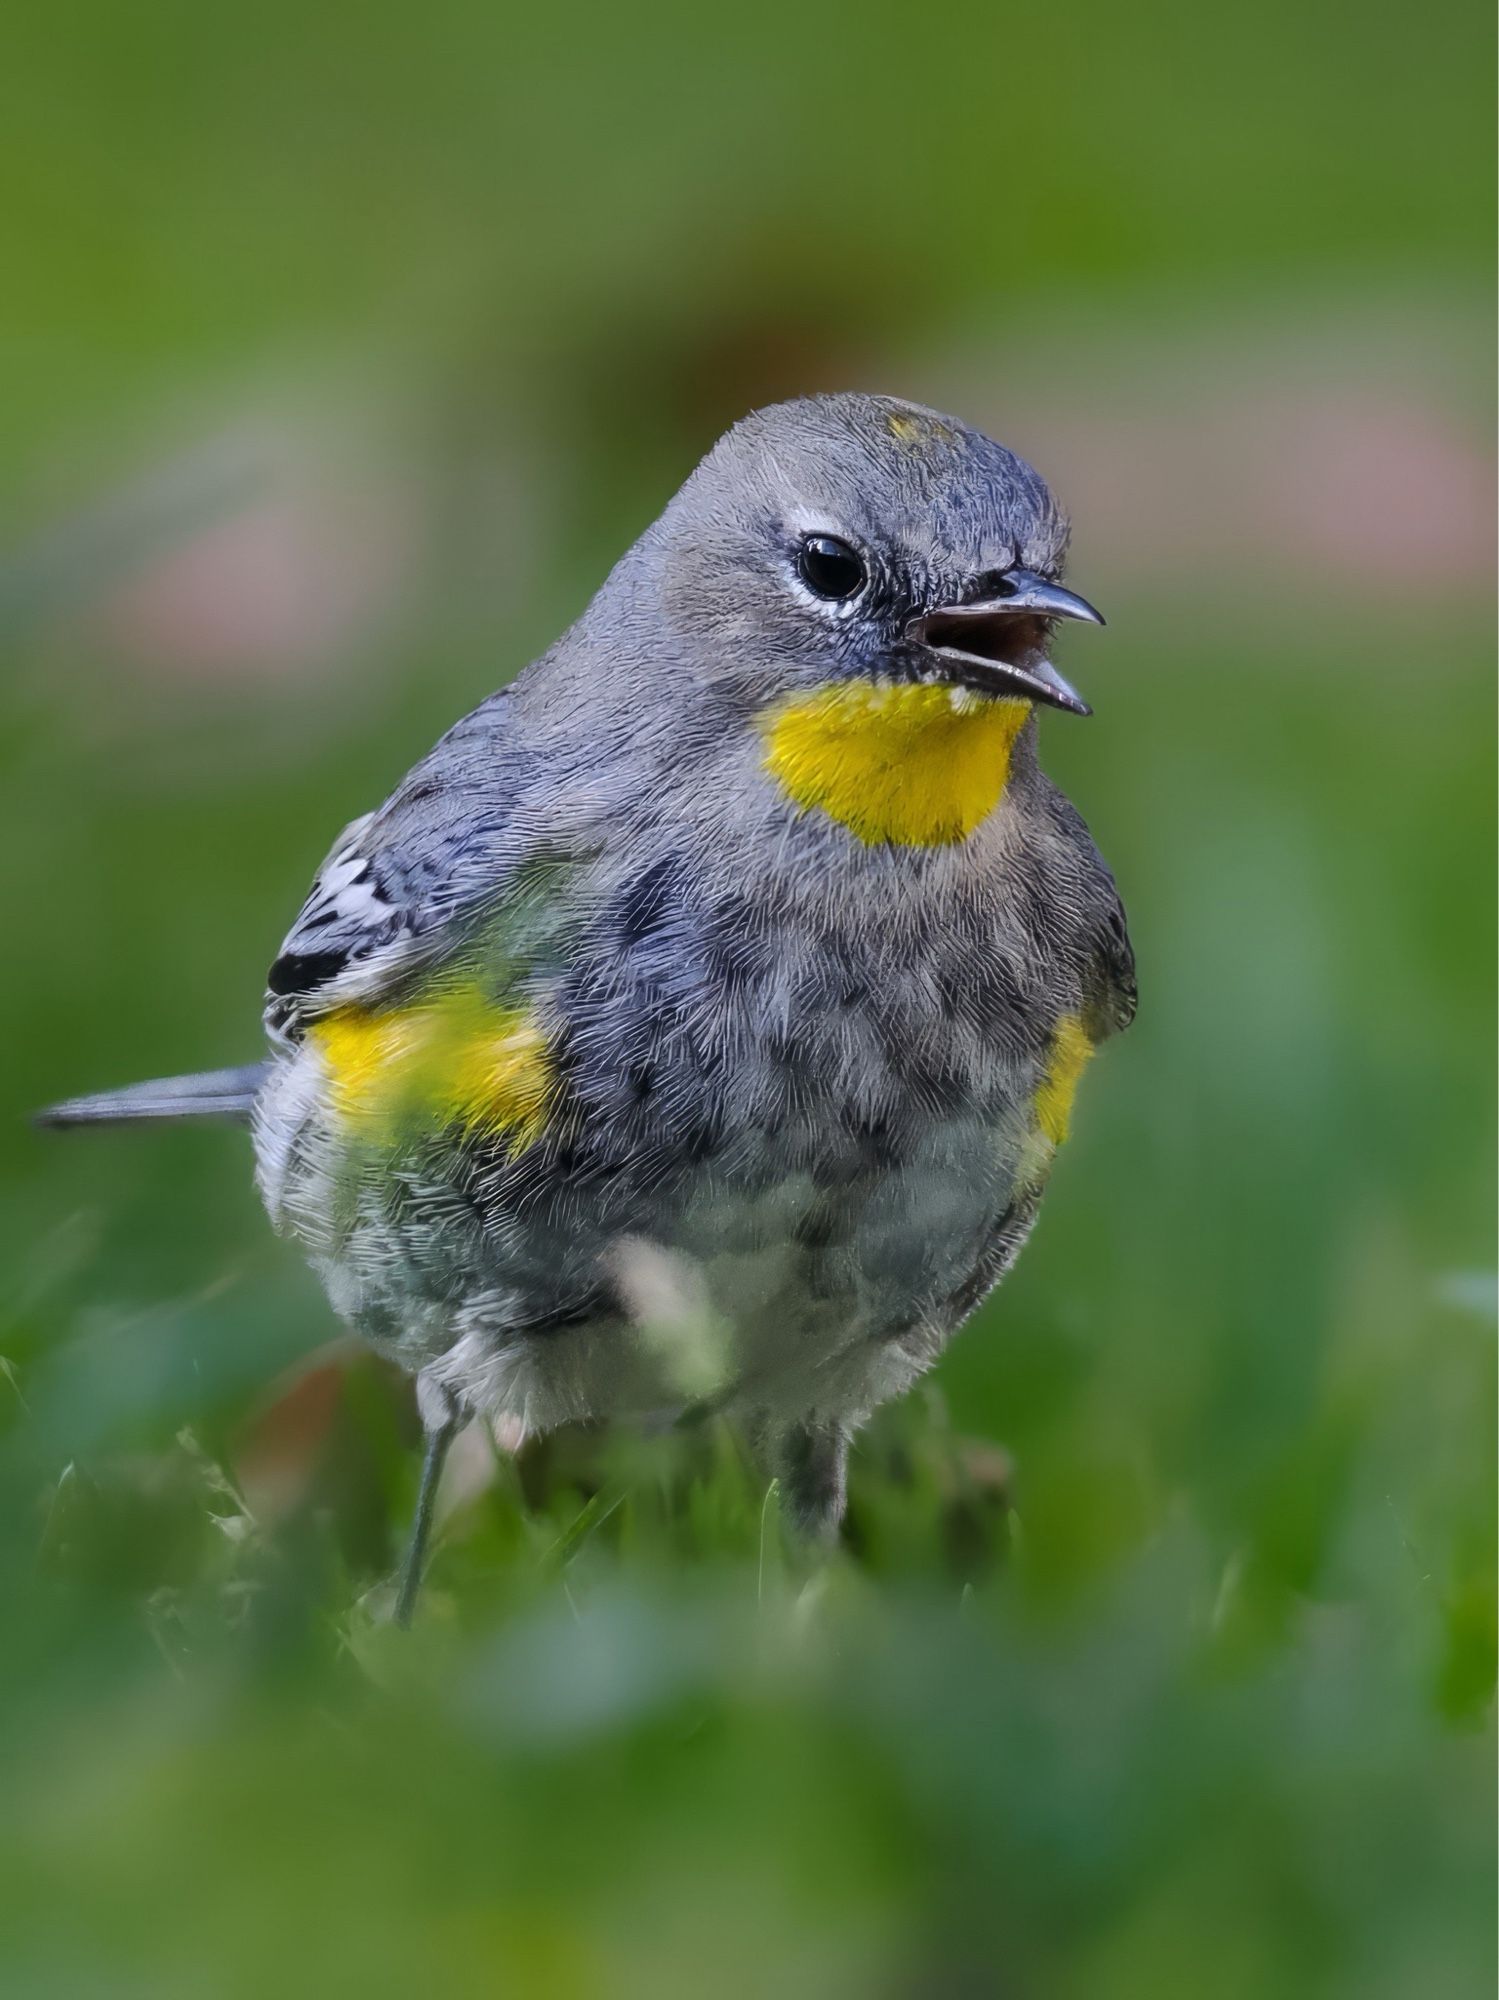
(285,581)
(1328,456)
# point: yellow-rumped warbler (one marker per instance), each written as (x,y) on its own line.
(738,952)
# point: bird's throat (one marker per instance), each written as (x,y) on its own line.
(895,762)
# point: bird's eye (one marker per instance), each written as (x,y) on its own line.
(830,567)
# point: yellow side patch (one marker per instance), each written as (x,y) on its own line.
(452,1057)
(1070,1051)
(893,761)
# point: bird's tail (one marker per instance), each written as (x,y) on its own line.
(214,1093)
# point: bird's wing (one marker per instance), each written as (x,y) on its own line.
(401,881)
(1108,971)
(1112,994)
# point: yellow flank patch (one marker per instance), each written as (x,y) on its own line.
(895,761)
(1070,1050)
(453,1057)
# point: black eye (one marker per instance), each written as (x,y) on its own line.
(830,567)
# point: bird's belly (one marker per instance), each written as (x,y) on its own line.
(814,1257)
(879,1241)
(800,1261)
(782,1289)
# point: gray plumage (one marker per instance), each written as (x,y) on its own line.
(214,1093)
(791,1134)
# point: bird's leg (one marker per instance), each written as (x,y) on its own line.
(439,1414)
(811,1461)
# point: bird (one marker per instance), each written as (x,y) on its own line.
(694,1028)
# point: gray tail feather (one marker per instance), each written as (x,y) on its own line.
(214,1093)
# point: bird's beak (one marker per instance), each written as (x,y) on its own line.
(998,646)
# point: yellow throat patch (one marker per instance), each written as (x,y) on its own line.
(453,1057)
(895,761)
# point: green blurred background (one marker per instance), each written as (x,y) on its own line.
(343,349)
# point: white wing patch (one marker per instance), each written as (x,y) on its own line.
(334,948)
(345,891)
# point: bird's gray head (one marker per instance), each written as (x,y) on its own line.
(855,536)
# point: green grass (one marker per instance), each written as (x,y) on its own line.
(634,1745)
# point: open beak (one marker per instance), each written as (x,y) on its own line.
(998,646)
